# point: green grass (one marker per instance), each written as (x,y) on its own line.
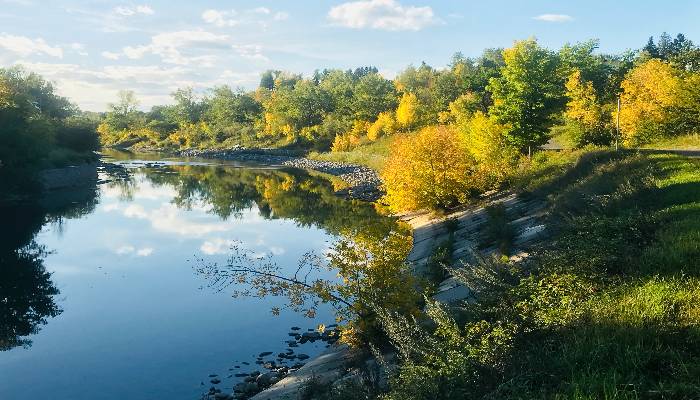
(372,154)
(683,142)
(608,309)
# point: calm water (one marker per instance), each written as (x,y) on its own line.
(103,301)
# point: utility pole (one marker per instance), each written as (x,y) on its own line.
(617,136)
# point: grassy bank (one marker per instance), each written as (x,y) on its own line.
(372,154)
(609,309)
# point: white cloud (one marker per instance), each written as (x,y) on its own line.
(387,15)
(280,16)
(79,48)
(110,55)
(128,11)
(228,18)
(172,47)
(93,88)
(220,18)
(554,18)
(145,252)
(250,51)
(25,46)
(262,10)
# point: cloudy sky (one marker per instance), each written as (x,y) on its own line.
(92,49)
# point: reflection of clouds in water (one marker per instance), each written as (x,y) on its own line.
(169,219)
(216,246)
(111,207)
(277,251)
(131,250)
(145,252)
(145,191)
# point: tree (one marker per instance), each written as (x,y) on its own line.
(650,48)
(650,91)
(427,170)
(122,114)
(373,95)
(486,143)
(227,107)
(188,108)
(528,93)
(587,119)
(385,125)
(288,111)
(407,111)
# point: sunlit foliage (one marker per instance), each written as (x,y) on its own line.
(429,169)
(650,90)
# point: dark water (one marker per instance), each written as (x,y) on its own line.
(100,298)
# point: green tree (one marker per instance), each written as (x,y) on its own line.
(373,95)
(528,93)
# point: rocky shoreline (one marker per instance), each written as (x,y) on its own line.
(277,366)
(364,183)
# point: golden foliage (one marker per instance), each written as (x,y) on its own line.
(486,143)
(429,169)
(349,140)
(407,111)
(583,105)
(649,91)
(385,125)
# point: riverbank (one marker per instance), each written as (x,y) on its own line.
(363,182)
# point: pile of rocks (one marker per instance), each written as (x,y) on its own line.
(276,368)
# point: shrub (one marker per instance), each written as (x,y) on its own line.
(429,169)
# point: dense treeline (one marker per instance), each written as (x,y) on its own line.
(38,129)
(493,109)
(527,87)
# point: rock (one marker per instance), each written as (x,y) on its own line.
(296,328)
(240,375)
(265,354)
(249,379)
(213,375)
(302,356)
(215,381)
(264,379)
(222,396)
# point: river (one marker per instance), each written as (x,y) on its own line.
(101,297)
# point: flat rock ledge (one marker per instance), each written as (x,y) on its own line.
(326,368)
(364,183)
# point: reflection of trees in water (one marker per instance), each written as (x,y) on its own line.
(369,256)
(27,294)
(291,194)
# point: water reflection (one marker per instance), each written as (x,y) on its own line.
(27,293)
(130,313)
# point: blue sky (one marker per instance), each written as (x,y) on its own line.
(92,49)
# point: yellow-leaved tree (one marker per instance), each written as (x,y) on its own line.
(407,111)
(495,159)
(588,122)
(351,139)
(649,92)
(428,170)
(385,125)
